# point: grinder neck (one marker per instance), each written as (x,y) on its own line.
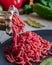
(6,19)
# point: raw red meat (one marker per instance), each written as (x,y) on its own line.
(27,47)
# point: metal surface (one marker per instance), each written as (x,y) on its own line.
(6,18)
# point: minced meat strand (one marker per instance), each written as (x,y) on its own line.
(27,47)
